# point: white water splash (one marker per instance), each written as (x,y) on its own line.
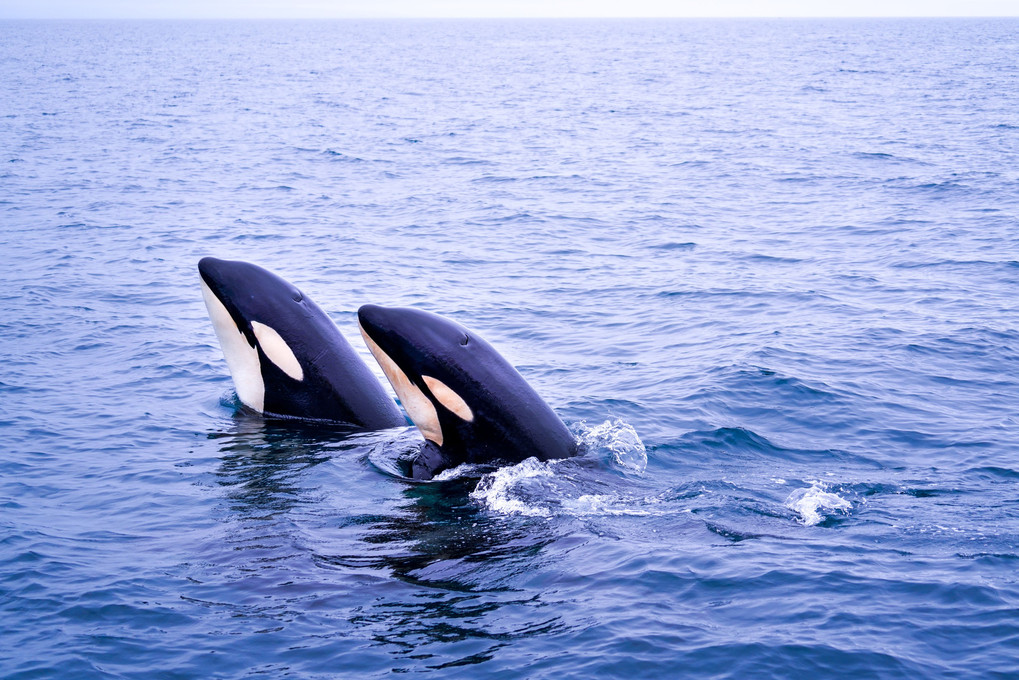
(537,489)
(499,490)
(816,504)
(621,440)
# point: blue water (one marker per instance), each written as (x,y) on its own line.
(766,270)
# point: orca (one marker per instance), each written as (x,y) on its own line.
(470,404)
(286,357)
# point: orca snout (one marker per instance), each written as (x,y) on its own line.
(214,271)
(373,320)
(209,266)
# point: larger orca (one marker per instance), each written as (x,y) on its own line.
(286,356)
(470,404)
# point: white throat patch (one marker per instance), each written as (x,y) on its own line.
(241,358)
(419,407)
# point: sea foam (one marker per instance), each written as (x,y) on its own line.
(816,504)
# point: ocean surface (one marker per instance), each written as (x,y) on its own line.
(767,271)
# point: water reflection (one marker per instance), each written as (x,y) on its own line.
(262,461)
(460,569)
(418,569)
(440,538)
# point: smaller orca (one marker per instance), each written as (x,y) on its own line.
(470,404)
(286,356)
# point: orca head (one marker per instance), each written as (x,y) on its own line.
(418,352)
(251,310)
(461,393)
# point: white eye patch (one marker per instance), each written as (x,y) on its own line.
(448,398)
(241,358)
(277,349)
(419,407)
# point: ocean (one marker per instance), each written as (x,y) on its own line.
(765,270)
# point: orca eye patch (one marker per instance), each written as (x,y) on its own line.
(448,398)
(277,350)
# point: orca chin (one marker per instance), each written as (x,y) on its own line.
(470,404)
(286,357)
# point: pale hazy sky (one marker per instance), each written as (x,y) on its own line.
(105,9)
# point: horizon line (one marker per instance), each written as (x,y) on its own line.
(608,17)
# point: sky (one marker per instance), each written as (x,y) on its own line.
(261,9)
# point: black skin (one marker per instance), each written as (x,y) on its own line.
(511,422)
(337,385)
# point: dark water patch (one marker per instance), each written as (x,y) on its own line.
(465,160)
(954,263)
(925,440)
(493,179)
(991,559)
(930,493)
(993,474)
(738,441)
(770,259)
(881,157)
(873,155)
(673,246)
(730,534)
(940,190)
(515,218)
(339,156)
